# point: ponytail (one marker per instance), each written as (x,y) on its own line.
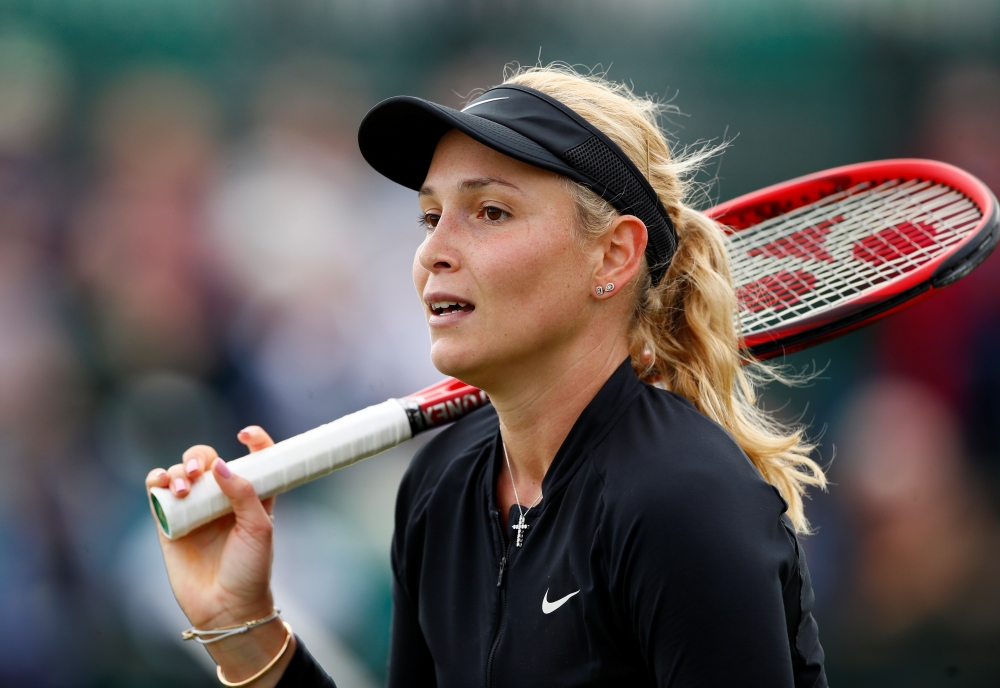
(684,333)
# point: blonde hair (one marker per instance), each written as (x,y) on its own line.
(684,333)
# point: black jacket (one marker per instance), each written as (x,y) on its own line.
(658,557)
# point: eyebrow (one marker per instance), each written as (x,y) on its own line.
(477,183)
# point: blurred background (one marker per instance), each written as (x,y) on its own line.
(190,243)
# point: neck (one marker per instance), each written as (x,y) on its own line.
(540,403)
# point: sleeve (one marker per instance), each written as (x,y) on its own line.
(803,632)
(410,661)
(303,671)
(701,573)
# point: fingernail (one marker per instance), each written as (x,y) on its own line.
(191,466)
(180,485)
(223,469)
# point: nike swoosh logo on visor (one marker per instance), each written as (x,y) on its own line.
(549,607)
(481,102)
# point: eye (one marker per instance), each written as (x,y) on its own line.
(494,214)
(429,220)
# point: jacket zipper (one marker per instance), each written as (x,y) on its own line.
(502,621)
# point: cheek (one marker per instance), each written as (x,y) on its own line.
(537,281)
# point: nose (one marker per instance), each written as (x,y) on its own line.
(438,252)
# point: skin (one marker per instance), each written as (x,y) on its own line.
(501,237)
(221,573)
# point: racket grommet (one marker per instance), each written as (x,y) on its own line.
(600,290)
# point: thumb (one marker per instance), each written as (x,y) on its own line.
(255,438)
(247,507)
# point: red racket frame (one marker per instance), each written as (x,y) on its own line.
(746,211)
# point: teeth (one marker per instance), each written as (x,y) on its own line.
(441,305)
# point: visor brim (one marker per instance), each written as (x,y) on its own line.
(398,138)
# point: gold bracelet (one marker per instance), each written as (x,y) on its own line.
(225,682)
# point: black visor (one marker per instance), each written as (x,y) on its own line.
(398,137)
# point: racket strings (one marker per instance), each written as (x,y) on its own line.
(907,243)
(910,241)
(830,289)
(816,256)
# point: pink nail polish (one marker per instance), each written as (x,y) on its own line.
(191,466)
(180,485)
(223,469)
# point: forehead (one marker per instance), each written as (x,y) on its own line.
(458,157)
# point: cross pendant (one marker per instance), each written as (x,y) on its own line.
(520,528)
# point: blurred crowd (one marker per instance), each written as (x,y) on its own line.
(915,599)
(170,273)
(164,284)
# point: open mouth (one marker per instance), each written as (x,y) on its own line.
(449,307)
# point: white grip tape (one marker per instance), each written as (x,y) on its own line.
(287,464)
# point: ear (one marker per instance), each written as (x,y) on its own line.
(624,246)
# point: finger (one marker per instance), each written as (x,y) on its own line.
(250,513)
(197,460)
(255,438)
(157,478)
(179,484)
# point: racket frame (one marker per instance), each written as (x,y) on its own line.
(959,260)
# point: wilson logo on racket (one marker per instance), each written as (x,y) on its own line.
(776,292)
(453,409)
(803,244)
(442,403)
(894,243)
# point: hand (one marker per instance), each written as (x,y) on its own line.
(221,572)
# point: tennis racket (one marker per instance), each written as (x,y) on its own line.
(812,259)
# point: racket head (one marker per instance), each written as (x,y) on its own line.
(816,257)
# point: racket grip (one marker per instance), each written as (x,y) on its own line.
(287,464)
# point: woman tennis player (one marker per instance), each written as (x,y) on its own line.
(623,514)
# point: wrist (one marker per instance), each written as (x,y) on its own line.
(207,636)
(241,656)
(236,615)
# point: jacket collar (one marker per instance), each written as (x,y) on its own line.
(590,428)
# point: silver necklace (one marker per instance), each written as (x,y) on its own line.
(521,525)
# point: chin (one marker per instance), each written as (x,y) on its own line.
(459,360)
